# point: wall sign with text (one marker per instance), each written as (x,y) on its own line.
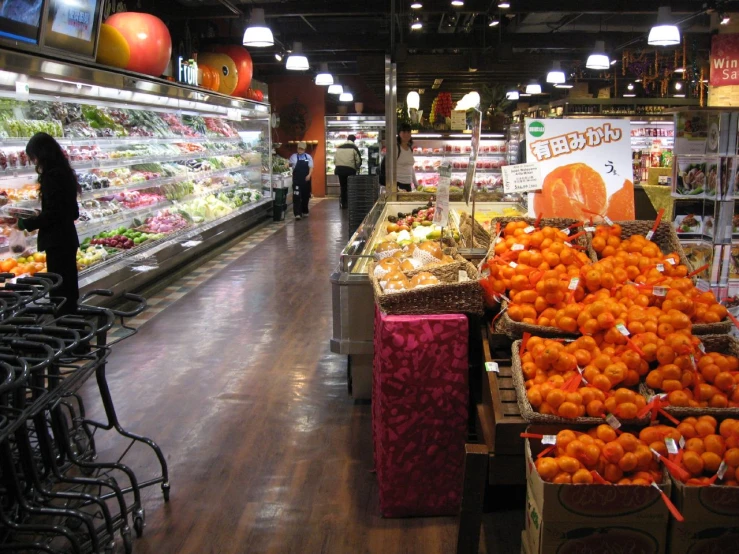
(724,60)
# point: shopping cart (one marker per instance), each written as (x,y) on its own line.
(362,193)
(55,494)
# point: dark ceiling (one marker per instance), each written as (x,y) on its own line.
(354,36)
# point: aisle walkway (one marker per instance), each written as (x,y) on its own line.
(236,382)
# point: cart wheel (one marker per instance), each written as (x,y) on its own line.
(138,526)
(127,541)
(165,491)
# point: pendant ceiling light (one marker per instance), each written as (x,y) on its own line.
(346,96)
(416,24)
(664,32)
(297,61)
(564,85)
(413,100)
(457,3)
(493,21)
(416,5)
(324,77)
(556,75)
(504,5)
(533,88)
(336,88)
(598,59)
(512,95)
(257,33)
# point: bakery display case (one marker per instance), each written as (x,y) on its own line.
(164,169)
(368,129)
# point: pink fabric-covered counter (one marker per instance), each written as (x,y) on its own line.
(419,412)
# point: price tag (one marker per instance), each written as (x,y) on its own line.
(22,90)
(656,455)
(549,439)
(701,347)
(613,421)
(661,268)
(530,229)
(566,232)
(573,283)
(498,240)
(650,234)
(608,220)
(191,243)
(692,361)
(589,229)
(722,470)
(682,441)
(702,285)
(517,247)
(671,445)
(568,245)
(670,261)
(514,265)
(492,367)
(659,291)
(463,277)
(622,329)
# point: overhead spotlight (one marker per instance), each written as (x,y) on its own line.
(346,96)
(679,70)
(614,62)
(297,61)
(564,85)
(637,80)
(457,3)
(724,18)
(504,5)
(598,59)
(278,56)
(664,32)
(416,5)
(417,24)
(493,21)
(556,75)
(324,77)
(533,88)
(678,85)
(257,34)
(630,86)
(512,95)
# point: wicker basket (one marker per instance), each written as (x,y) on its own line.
(449,297)
(470,237)
(532,416)
(723,344)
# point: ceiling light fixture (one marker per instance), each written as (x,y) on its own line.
(724,18)
(493,21)
(346,96)
(457,3)
(413,100)
(630,86)
(278,56)
(664,32)
(524,94)
(297,61)
(614,62)
(678,85)
(336,88)
(533,88)
(417,24)
(257,34)
(564,85)
(629,95)
(504,5)
(598,59)
(556,75)
(416,5)
(512,95)
(679,70)
(324,77)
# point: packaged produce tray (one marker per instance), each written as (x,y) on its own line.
(723,344)
(452,296)
(532,416)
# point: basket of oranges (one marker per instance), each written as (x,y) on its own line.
(577,381)
(700,376)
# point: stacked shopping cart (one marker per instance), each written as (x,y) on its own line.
(362,193)
(56,496)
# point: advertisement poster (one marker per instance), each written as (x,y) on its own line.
(72,25)
(585,166)
(20,19)
(724,60)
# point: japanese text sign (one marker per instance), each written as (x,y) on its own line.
(521,178)
(585,167)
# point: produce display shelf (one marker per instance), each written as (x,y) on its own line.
(462,155)
(120,141)
(461,171)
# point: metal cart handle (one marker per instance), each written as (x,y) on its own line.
(137,310)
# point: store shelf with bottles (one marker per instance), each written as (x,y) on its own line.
(151,166)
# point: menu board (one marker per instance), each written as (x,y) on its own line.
(585,166)
(72,26)
(20,20)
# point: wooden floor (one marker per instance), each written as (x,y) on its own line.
(267,452)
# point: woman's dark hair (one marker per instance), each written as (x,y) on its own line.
(45,152)
(404,127)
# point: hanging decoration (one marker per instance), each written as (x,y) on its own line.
(657,70)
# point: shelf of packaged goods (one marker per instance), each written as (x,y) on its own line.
(118,141)
(465,155)
(460,171)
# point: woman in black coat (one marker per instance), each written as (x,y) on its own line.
(57,235)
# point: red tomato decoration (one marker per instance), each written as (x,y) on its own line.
(258,95)
(149,41)
(244,66)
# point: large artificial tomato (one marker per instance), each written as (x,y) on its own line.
(227,68)
(258,95)
(113,47)
(244,66)
(148,39)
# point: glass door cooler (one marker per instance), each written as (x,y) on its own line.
(368,130)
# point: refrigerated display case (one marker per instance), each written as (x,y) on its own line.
(166,171)
(368,129)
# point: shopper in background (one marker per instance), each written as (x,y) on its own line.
(348,161)
(405,175)
(302,164)
(57,235)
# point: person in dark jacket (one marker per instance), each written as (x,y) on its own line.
(57,235)
(348,161)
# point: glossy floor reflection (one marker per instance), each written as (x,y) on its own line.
(235,381)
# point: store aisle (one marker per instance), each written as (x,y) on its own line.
(236,382)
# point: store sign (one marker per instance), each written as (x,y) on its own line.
(521,178)
(585,167)
(187,71)
(724,60)
(459,120)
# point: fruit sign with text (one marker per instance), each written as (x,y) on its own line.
(586,168)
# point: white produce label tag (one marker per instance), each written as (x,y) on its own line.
(573,283)
(549,439)
(613,421)
(521,178)
(492,367)
(671,445)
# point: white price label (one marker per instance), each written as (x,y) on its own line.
(682,441)
(573,283)
(517,247)
(521,178)
(622,329)
(701,347)
(567,244)
(498,240)
(656,455)
(22,90)
(613,421)
(191,243)
(530,229)
(492,367)
(463,277)
(514,265)
(692,361)
(659,291)
(722,470)
(566,232)
(549,439)
(661,268)
(650,234)
(589,229)
(703,285)
(670,261)
(671,445)
(608,220)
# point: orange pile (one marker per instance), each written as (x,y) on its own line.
(705,449)
(35,263)
(620,459)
